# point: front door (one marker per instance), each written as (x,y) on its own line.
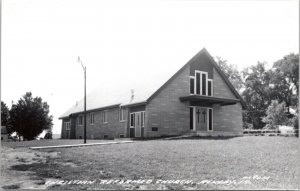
(201,119)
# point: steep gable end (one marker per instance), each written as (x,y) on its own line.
(203,61)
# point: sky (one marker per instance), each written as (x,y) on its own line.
(130,41)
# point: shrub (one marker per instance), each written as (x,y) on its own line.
(48,135)
(275,114)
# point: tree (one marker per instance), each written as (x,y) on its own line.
(4,114)
(256,94)
(285,80)
(231,72)
(289,66)
(30,116)
(275,114)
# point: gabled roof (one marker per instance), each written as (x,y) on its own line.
(108,95)
(203,51)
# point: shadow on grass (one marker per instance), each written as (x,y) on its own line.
(13,186)
(45,170)
(192,137)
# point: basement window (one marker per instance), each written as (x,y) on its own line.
(121,136)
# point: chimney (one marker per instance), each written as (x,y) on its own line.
(132,95)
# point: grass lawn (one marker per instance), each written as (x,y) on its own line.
(194,159)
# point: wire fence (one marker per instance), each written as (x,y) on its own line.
(267,132)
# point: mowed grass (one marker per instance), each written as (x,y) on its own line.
(195,159)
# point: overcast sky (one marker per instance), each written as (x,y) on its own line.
(131,40)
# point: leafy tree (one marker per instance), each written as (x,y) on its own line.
(257,93)
(275,114)
(289,66)
(285,80)
(30,116)
(231,72)
(4,114)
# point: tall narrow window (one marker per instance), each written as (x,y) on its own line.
(210,87)
(121,114)
(92,119)
(197,83)
(104,116)
(143,119)
(131,119)
(192,85)
(203,84)
(210,119)
(68,126)
(191,118)
(80,120)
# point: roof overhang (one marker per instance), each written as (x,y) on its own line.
(90,110)
(209,100)
(134,104)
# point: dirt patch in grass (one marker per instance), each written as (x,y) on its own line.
(27,169)
(13,186)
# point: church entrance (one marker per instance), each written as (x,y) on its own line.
(202,118)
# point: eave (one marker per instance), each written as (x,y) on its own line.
(209,100)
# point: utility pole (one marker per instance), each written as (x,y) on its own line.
(84,70)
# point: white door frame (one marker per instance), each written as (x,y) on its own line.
(207,117)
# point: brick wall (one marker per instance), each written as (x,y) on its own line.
(221,89)
(166,112)
(228,119)
(113,128)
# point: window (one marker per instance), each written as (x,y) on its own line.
(104,117)
(192,85)
(203,81)
(154,128)
(200,84)
(121,136)
(92,118)
(132,119)
(210,119)
(197,83)
(210,87)
(105,136)
(67,125)
(191,118)
(80,120)
(143,119)
(121,114)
